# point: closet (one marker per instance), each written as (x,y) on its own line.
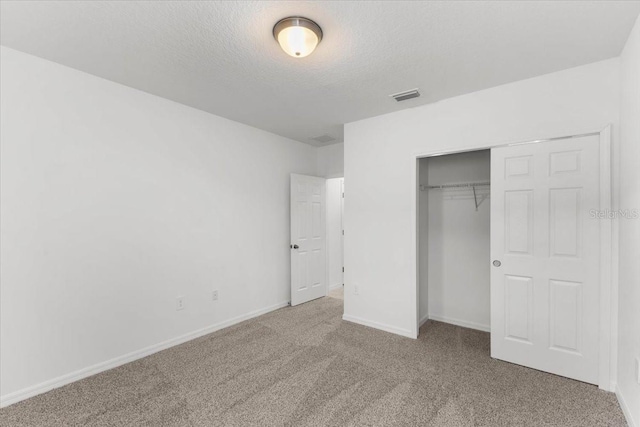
(454,239)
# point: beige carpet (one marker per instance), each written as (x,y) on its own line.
(304,366)
(337,293)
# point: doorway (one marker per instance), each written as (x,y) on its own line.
(317,237)
(454,239)
(549,264)
(335,238)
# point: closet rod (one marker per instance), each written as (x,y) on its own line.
(471,185)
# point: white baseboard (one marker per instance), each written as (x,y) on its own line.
(376,325)
(463,323)
(625,409)
(336,286)
(60,381)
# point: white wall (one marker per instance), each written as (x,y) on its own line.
(380,164)
(629,252)
(114,202)
(334,232)
(459,241)
(331,161)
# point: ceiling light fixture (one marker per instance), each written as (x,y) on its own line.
(297,36)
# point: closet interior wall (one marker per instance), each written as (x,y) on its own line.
(454,240)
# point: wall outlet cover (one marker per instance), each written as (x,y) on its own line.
(214,295)
(179,303)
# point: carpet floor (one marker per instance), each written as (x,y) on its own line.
(337,293)
(304,366)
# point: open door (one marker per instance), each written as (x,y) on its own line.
(308,245)
(545,249)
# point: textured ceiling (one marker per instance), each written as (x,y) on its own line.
(221,57)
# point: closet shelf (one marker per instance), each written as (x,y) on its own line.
(478,199)
(460,185)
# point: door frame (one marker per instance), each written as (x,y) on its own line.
(608,310)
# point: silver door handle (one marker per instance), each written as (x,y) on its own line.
(496,263)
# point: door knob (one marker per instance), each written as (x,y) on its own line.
(294,246)
(497,263)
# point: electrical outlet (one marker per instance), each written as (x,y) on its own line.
(214,295)
(356,290)
(179,303)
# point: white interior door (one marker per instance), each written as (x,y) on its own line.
(545,247)
(308,245)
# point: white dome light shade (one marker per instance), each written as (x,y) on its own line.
(297,41)
(297,36)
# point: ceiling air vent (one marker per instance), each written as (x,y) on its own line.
(323,139)
(403,96)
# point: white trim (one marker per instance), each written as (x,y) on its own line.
(62,380)
(342,225)
(413,261)
(606,332)
(463,323)
(608,284)
(625,409)
(422,154)
(377,325)
(416,246)
(327,273)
